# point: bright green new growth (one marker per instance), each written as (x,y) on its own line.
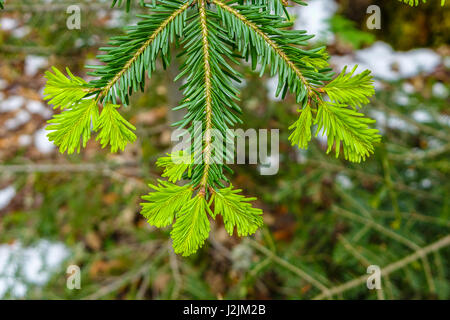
(114,129)
(416,2)
(175,166)
(213,37)
(349,127)
(192,226)
(351,89)
(71,128)
(73,125)
(61,91)
(302,128)
(165,202)
(237,211)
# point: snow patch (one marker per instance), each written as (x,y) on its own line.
(314,18)
(344,181)
(7,24)
(392,122)
(272,84)
(401,99)
(19,120)
(439,90)
(422,116)
(39,108)
(33,64)
(11,104)
(6,195)
(322,137)
(22,266)
(408,88)
(21,32)
(390,65)
(444,120)
(24,140)
(426,183)
(3,84)
(42,143)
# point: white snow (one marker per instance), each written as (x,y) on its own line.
(33,64)
(378,85)
(8,24)
(390,65)
(434,143)
(391,122)
(24,140)
(21,266)
(6,195)
(19,120)
(322,137)
(344,181)
(38,107)
(272,84)
(401,99)
(408,88)
(11,104)
(116,19)
(447,62)
(21,32)
(3,84)
(41,141)
(422,116)
(440,90)
(426,183)
(444,120)
(314,18)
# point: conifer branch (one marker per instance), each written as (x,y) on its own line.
(416,2)
(213,36)
(134,65)
(273,45)
(208,88)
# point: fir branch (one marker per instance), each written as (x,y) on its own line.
(295,71)
(114,129)
(416,2)
(208,93)
(348,126)
(213,34)
(175,165)
(319,62)
(135,53)
(278,7)
(72,128)
(191,227)
(163,204)
(351,89)
(128,4)
(302,128)
(259,34)
(62,91)
(237,211)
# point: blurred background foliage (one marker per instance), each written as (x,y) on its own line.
(326,220)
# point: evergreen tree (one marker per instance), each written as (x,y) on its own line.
(213,37)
